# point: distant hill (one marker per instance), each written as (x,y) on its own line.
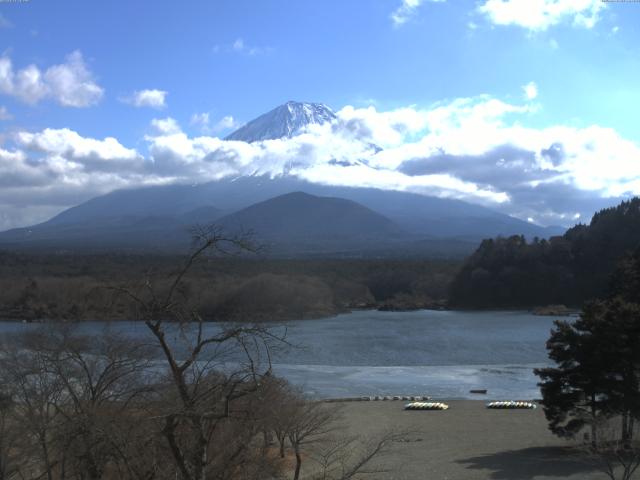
(569,269)
(300,216)
(301,223)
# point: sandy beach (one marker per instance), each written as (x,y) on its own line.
(469,442)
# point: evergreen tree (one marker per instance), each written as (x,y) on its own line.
(574,393)
(598,364)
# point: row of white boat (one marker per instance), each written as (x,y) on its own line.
(508,405)
(511,404)
(426,406)
(379,398)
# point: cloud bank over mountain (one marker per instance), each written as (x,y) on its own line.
(476,149)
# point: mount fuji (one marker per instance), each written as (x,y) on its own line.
(285,121)
(293,216)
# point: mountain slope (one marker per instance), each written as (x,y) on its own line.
(164,200)
(298,216)
(141,232)
(284,121)
(160,215)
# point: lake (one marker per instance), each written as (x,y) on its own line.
(443,354)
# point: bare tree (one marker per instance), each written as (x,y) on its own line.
(102,376)
(617,455)
(9,461)
(315,430)
(309,423)
(347,457)
(36,396)
(72,394)
(280,403)
(206,401)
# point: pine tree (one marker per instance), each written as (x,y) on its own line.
(597,375)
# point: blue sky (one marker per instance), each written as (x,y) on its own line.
(108,69)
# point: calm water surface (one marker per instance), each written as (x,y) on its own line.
(442,354)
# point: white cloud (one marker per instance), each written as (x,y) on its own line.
(65,148)
(71,84)
(226,123)
(166,126)
(407,9)
(147,98)
(4,114)
(16,171)
(530,91)
(384,129)
(47,171)
(539,15)
(27,84)
(203,122)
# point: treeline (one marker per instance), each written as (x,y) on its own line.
(514,273)
(65,286)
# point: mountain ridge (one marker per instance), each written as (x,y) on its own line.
(417,215)
(284,121)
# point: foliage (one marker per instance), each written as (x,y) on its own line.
(514,273)
(65,286)
(598,367)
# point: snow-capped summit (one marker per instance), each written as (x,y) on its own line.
(284,121)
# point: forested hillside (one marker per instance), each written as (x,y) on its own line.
(512,272)
(75,287)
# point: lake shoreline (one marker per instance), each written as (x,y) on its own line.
(537,311)
(404,399)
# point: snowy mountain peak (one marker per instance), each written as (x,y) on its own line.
(285,121)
